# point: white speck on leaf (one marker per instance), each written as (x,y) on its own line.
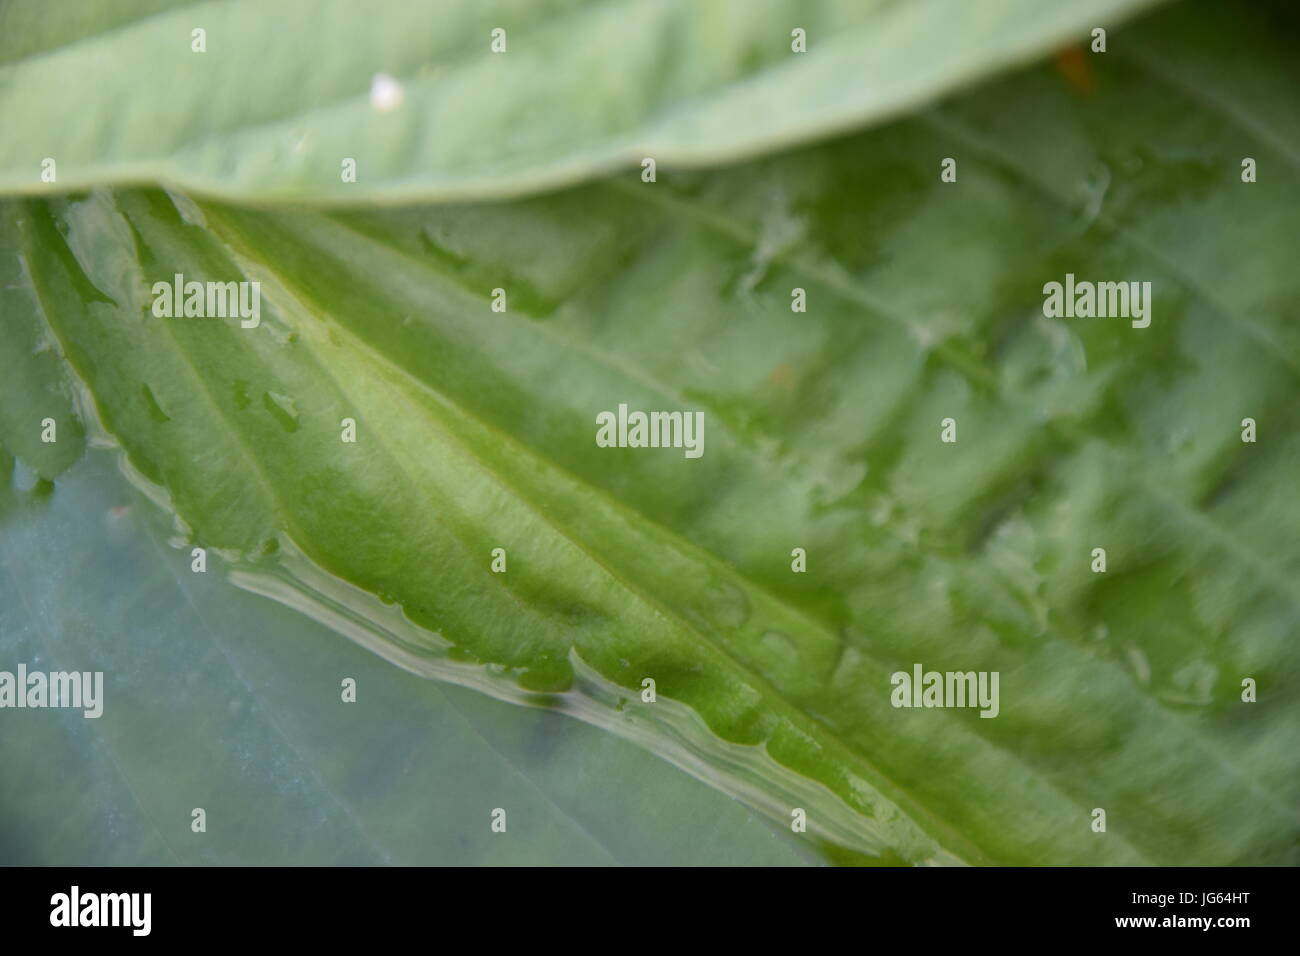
(385,93)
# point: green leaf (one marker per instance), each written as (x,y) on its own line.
(215,698)
(118,94)
(34,391)
(475,431)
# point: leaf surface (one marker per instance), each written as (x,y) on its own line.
(475,428)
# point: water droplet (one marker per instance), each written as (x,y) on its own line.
(1140,666)
(778,646)
(151,403)
(730,604)
(282,409)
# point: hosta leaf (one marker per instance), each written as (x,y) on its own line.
(282,93)
(475,430)
(34,390)
(215,698)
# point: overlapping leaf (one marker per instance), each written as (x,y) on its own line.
(277,101)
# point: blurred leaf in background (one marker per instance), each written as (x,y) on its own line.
(218,699)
